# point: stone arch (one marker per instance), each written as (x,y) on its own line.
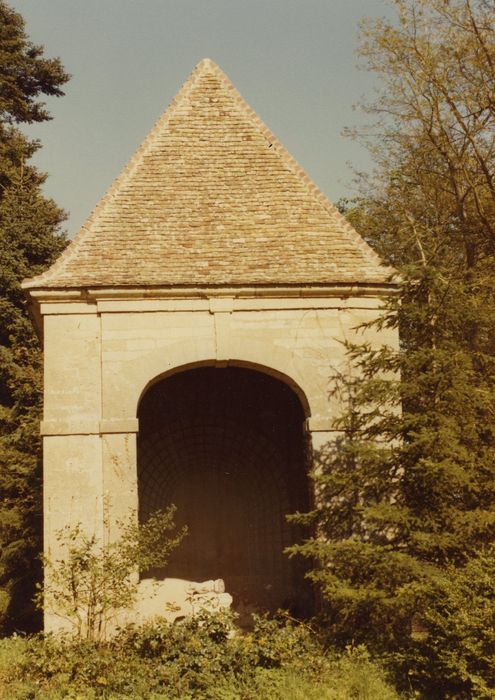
(226,444)
(269,370)
(120,399)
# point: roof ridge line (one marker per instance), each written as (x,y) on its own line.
(295,167)
(123,175)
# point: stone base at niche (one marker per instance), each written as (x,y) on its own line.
(175,598)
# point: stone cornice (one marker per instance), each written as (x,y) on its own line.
(270,291)
(44,301)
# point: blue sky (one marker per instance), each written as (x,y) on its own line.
(294,61)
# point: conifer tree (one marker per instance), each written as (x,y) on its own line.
(30,239)
(406,497)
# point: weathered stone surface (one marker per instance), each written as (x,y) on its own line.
(174,599)
(106,362)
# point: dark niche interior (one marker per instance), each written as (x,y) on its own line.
(227,447)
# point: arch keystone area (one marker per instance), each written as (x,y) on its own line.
(187,355)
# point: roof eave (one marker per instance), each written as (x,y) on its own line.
(95,292)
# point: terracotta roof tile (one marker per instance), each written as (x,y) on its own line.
(212,198)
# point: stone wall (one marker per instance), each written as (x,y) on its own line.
(102,355)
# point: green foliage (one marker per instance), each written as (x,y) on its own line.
(405,510)
(454,643)
(30,239)
(203,658)
(25,73)
(93,580)
(12,652)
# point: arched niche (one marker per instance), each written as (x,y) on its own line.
(227,446)
(270,371)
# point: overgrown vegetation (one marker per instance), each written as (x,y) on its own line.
(202,658)
(93,579)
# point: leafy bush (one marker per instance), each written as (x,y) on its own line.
(202,658)
(92,580)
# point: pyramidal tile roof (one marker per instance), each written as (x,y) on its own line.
(212,198)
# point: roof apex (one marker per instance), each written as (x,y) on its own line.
(207,63)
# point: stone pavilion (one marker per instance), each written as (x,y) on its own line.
(191,331)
